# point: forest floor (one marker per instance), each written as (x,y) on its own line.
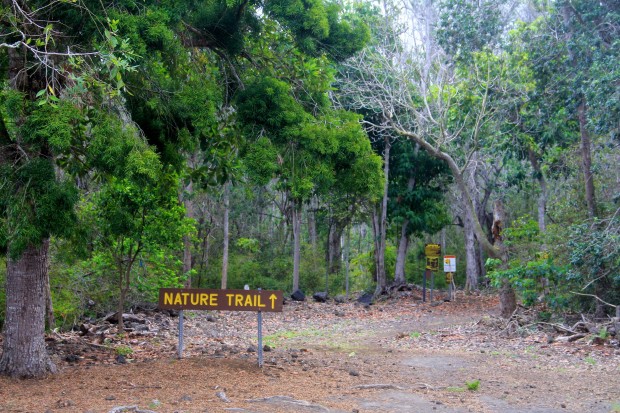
(400,355)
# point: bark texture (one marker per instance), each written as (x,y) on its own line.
(401,255)
(542,197)
(380,224)
(312,208)
(24,354)
(471,264)
(296,217)
(334,249)
(507,297)
(586,159)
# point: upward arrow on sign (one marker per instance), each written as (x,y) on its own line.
(273,299)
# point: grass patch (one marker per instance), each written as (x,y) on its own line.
(473,385)
(455,389)
(590,360)
(123,350)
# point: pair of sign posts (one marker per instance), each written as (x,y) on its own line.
(221,300)
(432,253)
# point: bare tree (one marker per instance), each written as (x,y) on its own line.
(415,92)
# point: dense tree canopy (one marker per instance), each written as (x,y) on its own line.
(140,140)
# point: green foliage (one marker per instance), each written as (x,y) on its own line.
(416,189)
(321,27)
(468,26)
(473,385)
(123,350)
(157,268)
(248,244)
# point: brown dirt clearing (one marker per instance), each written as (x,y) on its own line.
(400,355)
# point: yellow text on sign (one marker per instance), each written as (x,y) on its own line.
(187,298)
(240,300)
(211,299)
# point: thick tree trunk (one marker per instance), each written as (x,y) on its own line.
(24,354)
(226,238)
(586,159)
(401,255)
(296,217)
(49,305)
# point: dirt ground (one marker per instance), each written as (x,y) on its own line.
(401,355)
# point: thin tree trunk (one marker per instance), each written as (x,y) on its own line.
(586,159)
(403,244)
(401,256)
(471,262)
(120,310)
(376,242)
(347,264)
(334,247)
(382,222)
(542,197)
(226,238)
(507,297)
(312,222)
(187,242)
(24,354)
(296,217)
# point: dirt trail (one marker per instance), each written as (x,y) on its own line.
(398,356)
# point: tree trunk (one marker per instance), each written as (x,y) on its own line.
(334,247)
(24,354)
(381,224)
(347,264)
(187,242)
(120,310)
(471,263)
(378,252)
(586,159)
(403,244)
(312,222)
(49,306)
(542,197)
(507,297)
(226,238)
(401,256)
(296,217)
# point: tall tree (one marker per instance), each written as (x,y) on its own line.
(45,124)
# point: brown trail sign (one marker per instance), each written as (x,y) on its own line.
(227,300)
(222,300)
